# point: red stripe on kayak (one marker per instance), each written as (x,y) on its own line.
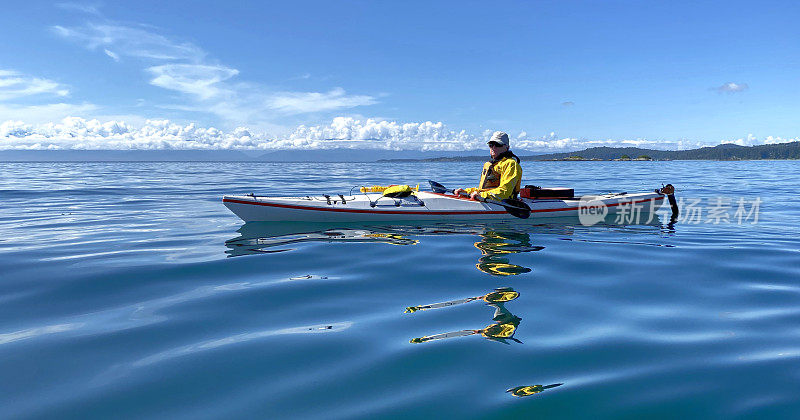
(438,213)
(460,197)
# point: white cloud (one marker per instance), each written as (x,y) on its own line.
(209,87)
(381,134)
(211,90)
(15,85)
(553,143)
(304,102)
(79,7)
(111,54)
(28,89)
(202,81)
(731,87)
(40,114)
(752,140)
(80,134)
(131,41)
(343,132)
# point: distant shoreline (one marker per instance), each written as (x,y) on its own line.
(723,152)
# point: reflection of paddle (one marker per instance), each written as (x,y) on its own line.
(524,391)
(513,206)
(495,332)
(500,295)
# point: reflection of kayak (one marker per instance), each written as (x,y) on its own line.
(425,206)
(274,241)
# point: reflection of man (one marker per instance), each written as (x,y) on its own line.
(495,243)
(499,266)
(502,176)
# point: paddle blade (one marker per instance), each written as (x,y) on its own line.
(517,208)
(437,187)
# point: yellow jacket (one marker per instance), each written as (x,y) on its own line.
(501,181)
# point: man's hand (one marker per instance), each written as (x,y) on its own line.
(458,191)
(476,196)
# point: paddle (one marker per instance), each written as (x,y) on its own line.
(514,207)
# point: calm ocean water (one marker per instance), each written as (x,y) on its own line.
(128,290)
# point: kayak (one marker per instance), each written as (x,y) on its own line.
(430,206)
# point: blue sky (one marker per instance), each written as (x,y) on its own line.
(555,75)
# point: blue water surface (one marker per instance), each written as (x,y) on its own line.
(128,290)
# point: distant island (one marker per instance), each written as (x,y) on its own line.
(779,151)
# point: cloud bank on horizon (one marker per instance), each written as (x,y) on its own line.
(75,133)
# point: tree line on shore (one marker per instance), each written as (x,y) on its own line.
(780,151)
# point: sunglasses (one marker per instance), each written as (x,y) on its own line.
(493,144)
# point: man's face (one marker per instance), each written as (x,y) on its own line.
(495,149)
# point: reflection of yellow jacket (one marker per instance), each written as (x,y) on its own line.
(501,181)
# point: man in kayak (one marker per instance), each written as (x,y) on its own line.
(501,177)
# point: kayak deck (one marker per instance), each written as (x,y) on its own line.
(422,205)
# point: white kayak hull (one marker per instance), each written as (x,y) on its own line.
(427,206)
